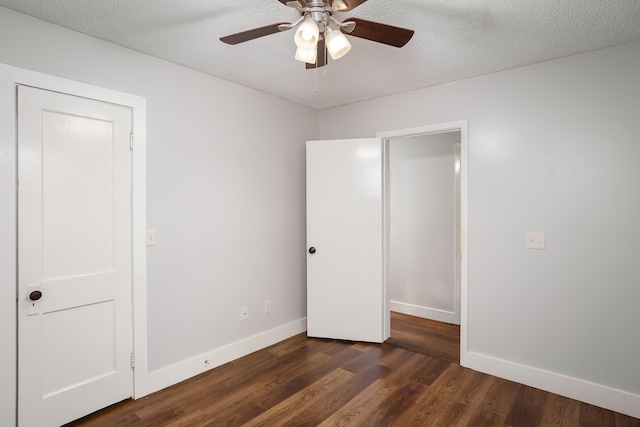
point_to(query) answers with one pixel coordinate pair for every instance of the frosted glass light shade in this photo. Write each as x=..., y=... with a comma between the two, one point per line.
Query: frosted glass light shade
x=337, y=44
x=307, y=35
x=339, y=5
x=307, y=55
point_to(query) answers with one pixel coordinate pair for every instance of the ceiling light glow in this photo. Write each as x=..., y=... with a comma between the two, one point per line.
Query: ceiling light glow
x=307, y=35
x=337, y=44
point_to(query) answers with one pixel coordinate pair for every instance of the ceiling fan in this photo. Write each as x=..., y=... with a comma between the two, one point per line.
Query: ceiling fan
x=319, y=32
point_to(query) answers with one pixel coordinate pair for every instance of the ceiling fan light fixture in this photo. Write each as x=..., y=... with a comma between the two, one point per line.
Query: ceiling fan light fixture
x=307, y=55
x=307, y=35
x=339, y=5
x=318, y=32
x=337, y=44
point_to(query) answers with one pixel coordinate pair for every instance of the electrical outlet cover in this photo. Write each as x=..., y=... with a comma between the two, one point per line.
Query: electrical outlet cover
x=536, y=240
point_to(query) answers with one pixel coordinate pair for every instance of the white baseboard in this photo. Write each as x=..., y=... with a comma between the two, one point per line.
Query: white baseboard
x=574, y=388
x=173, y=374
x=424, y=312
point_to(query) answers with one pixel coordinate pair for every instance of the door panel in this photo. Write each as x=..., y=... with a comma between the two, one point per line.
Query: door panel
x=345, y=293
x=74, y=247
x=60, y=332
x=77, y=191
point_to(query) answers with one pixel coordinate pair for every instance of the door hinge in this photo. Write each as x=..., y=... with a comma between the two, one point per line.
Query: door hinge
x=133, y=360
x=130, y=140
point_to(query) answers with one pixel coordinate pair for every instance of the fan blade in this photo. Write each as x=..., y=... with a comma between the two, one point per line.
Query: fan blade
x=322, y=59
x=252, y=34
x=381, y=33
x=351, y=4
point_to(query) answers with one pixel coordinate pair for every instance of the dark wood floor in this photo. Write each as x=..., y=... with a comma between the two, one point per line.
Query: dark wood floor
x=311, y=382
x=425, y=336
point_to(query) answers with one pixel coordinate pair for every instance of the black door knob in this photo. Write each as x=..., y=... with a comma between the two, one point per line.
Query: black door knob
x=35, y=295
x=312, y=250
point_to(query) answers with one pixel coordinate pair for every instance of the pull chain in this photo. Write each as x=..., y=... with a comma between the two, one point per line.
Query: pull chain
x=325, y=73
x=326, y=64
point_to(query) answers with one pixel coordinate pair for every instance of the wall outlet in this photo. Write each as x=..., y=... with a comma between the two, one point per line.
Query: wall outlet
x=244, y=313
x=536, y=240
x=267, y=306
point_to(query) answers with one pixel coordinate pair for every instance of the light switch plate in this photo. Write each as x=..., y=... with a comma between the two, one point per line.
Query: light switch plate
x=536, y=240
x=151, y=237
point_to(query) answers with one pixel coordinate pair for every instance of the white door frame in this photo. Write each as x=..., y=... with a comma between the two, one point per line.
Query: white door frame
x=456, y=126
x=9, y=78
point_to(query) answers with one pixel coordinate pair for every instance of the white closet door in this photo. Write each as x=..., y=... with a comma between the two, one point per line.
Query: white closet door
x=74, y=257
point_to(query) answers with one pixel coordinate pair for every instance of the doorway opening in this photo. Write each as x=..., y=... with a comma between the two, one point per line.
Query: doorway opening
x=425, y=257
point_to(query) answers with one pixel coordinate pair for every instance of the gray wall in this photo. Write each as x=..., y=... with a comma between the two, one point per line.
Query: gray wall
x=553, y=147
x=225, y=196
x=422, y=242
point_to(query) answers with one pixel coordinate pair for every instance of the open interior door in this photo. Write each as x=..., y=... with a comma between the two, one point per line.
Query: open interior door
x=345, y=277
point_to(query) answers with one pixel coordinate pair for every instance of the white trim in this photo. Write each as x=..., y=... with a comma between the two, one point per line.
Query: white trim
x=8, y=274
x=461, y=126
x=424, y=312
x=574, y=388
x=11, y=76
x=386, y=235
x=196, y=365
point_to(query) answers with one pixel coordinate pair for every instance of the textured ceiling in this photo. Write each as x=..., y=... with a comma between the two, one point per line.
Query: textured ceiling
x=454, y=39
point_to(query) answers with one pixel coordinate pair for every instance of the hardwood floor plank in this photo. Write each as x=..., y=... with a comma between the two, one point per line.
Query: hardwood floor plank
x=227, y=386
x=289, y=411
x=358, y=411
x=302, y=381
x=528, y=407
x=249, y=367
x=419, y=412
x=364, y=346
x=119, y=414
x=395, y=404
x=395, y=358
x=448, y=399
x=309, y=408
x=591, y=416
x=370, y=356
x=321, y=410
x=197, y=417
x=430, y=370
x=560, y=411
x=290, y=345
x=384, y=400
x=496, y=403
x=425, y=336
x=248, y=402
x=470, y=400
x=626, y=421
